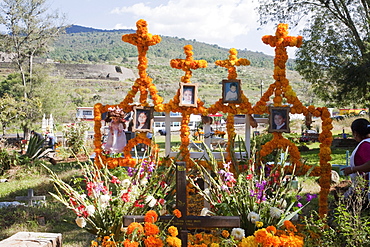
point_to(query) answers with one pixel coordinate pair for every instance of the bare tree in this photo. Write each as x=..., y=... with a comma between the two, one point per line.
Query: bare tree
x=30, y=29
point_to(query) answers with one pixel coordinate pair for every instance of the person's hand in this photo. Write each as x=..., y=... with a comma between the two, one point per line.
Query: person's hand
x=347, y=170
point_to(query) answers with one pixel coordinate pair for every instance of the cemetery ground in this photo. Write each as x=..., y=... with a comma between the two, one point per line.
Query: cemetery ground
x=52, y=216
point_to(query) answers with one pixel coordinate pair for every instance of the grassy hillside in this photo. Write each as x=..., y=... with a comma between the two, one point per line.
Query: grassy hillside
x=103, y=46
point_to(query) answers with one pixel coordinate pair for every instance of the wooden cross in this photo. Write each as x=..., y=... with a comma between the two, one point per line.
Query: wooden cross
x=30, y=197
x=231, y=63
x=188, y=221
x=188, y=63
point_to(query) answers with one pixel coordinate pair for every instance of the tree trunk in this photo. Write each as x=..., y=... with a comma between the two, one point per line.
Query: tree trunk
x=20, y=67
x=30, y=70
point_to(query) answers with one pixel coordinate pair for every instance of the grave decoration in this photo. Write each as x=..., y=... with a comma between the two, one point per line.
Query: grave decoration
x=188, y=221
x=280, y=91
x=31, y=198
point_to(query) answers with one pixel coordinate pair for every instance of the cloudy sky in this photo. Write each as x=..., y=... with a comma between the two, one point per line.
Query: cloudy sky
x=229, y=24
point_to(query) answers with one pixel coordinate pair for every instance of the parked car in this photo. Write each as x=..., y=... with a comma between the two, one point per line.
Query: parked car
x=338, y=117
x=309, y=136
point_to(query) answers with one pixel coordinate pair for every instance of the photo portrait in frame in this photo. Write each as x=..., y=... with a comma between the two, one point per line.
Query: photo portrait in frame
x=188, y=94
x=231, y=91
x=279, y=119
x=143, y=119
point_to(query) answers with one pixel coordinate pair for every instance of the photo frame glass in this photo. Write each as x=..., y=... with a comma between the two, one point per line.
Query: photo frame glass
x=231, y=91
x=143, y=119
x=188, y=94
x=279, y=119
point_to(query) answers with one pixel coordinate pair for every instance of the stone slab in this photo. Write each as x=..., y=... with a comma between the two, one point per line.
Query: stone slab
x=33, y=239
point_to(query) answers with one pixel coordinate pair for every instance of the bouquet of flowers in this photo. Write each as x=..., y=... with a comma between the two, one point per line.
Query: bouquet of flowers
x=101, y=199
x=75, y=135
x=261, y=195
x=146, y=234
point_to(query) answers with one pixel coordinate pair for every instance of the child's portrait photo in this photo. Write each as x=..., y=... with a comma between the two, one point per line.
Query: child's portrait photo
x=231, y=91
x=143, y=119
x=279, y=119
x=188, y=94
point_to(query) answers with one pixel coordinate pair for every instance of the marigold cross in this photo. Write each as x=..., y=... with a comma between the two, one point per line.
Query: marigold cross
x=281, y=40
x=231, y=63
x=142, y=40
x=188, y=64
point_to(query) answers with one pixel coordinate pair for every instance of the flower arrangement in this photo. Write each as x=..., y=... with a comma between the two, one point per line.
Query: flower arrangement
x=146, y=234
x=101, y=199
x=75, y=135
x=287, y=235
x=261, y=193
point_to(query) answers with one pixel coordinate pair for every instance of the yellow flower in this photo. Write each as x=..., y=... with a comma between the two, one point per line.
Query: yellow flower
x=172, y=230
x=259, y=224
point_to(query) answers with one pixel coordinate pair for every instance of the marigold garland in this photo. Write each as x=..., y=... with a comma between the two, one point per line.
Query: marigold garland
x=279, y=89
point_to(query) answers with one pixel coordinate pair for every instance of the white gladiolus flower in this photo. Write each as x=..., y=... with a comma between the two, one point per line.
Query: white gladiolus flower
x=104, y=200
x=295, y=217
x=275, y=212
x=204, y=212
x=135, y=191
x=143, y=181
x=90, y=210
x=126, y=183
x=151, y=201
x=238, y=233
x=123, y=229
x=282, y=203
x=163, y=211
x=207, y=191
x=81, y=222
x=253, y=217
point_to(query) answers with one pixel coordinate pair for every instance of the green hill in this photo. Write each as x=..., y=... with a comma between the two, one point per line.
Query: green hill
x=87, y=45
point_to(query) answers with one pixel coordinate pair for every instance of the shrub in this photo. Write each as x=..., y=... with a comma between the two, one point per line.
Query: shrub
x=75, y=135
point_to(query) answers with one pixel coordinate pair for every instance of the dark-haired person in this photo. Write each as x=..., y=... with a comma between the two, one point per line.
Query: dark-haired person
x=232, y=94
x=279, y=120
x=142, y=120
x=360, y=158
x=187, y=97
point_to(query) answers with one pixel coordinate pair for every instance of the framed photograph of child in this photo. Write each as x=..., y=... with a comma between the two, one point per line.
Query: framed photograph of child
x=231, y=91
x=188, y=94
x=279, y=119
x=143, y=119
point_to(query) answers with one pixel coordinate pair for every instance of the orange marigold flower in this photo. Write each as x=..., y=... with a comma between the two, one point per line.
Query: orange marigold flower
x=151, y=216
x=261, y=235
x=150, y=229
x=271, y=229
x=128, y=243
x=290, y=226
x=135, y=226
x=273, y=241
x=173, y=241
x=152, y=241
x=172, y=230
x=177, y=213
x=225, y=234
